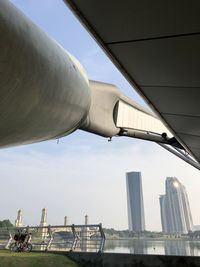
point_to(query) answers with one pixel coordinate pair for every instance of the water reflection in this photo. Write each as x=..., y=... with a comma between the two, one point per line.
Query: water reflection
x=147, y=246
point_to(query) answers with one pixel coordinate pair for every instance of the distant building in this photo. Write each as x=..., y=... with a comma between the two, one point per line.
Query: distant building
x=175, y=211
x=136, y=220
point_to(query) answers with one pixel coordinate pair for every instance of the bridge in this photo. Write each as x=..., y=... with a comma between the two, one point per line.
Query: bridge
x=58, y=238
x=59, y=98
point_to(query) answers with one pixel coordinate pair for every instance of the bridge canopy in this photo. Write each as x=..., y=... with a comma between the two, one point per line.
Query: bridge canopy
x=155, y=44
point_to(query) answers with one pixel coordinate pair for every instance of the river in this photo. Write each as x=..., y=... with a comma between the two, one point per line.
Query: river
x=148, y=246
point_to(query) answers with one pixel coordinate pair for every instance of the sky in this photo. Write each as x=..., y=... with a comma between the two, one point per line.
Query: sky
x=84, y=173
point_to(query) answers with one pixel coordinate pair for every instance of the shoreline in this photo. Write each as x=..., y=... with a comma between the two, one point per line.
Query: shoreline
x=153, y=239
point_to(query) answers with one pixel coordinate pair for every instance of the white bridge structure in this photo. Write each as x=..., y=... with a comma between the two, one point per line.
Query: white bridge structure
x=84, y=238
x=46, y=94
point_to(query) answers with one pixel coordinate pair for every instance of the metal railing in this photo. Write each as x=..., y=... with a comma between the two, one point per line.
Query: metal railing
x=58, y=238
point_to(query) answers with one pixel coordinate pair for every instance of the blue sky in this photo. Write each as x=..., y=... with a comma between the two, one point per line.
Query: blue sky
x=85, y=173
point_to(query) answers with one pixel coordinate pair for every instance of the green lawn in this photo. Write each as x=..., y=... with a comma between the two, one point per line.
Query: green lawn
x=22, y=259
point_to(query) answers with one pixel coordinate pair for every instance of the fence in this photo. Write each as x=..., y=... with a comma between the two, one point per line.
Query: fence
x=89, y=238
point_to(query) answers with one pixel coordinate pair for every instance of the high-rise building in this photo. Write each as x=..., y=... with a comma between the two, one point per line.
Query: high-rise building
x=175, y=211
x=136, y=221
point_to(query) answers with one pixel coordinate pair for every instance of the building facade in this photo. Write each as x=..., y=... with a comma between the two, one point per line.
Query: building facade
x=136, y=219
x=175, y=211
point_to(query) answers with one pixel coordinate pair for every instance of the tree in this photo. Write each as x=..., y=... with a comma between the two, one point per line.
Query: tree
x=6, y=223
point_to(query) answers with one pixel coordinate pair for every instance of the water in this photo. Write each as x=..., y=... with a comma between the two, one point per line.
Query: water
x=148, y=246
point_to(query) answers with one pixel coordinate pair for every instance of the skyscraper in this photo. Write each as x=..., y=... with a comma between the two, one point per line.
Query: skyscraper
x=136, y=221
x=175, y=211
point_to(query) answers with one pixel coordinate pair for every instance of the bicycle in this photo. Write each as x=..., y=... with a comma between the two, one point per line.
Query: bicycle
x=22, y=243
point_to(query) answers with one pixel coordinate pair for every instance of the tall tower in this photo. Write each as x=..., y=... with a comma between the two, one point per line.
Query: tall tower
x=136, y=220
x=85, y=235
x=43, y=222
x=65, y=221
x=175, y=211
x=86, y=219
x=18, y=221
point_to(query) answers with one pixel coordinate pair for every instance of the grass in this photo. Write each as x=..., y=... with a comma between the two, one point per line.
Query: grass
x=23, y=259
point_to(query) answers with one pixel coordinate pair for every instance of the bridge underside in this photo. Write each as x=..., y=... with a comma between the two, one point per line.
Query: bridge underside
x=155, y=44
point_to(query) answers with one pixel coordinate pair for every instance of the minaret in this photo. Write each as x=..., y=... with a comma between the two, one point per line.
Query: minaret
x=86, y=219
x=85, y=235
x=43, y=222
x=18, y=221
x=65, y=220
